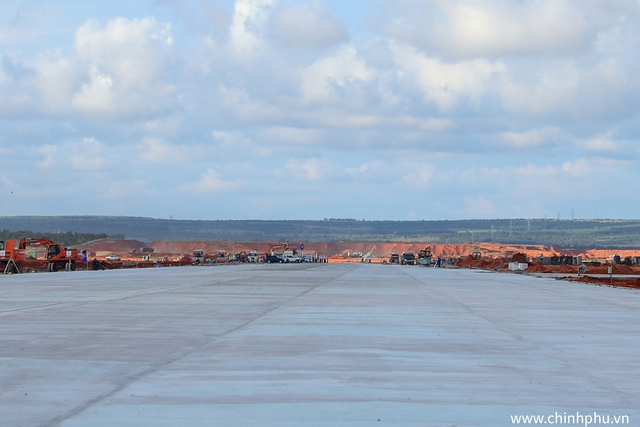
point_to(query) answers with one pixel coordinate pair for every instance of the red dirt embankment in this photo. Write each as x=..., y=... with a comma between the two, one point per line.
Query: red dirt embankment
x=381, y=250
x=633, y=283
x=573, y=269
x=113, y=246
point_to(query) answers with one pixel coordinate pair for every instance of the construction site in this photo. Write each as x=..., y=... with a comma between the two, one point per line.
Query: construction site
x=314, y=333
x=44, y=255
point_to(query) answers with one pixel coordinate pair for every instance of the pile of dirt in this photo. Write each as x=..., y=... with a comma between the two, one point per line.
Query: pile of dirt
x=519, y=257
x=623, y=283
x=483, y=263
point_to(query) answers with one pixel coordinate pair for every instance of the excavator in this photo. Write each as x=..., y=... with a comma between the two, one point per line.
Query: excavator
x=58, y=257
x=13, y=253
x=275, y=253
x=424, y=256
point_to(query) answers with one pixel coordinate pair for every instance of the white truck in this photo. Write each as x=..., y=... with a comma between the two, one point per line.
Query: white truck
x=252, y=256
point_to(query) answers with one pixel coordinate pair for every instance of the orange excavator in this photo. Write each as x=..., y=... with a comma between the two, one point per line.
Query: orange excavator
x=275, y=254
x=58, y=257
x=278, y=249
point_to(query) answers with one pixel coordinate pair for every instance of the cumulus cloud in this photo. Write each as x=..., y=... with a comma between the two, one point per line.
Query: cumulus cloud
x=248, y=29
x=126, y=66
x=495, y=100
x=322, y=82
x=602, y=143
x=307, y=26
x=310, y=169
x=497, y=28
x=211, y=182
x=442, y=84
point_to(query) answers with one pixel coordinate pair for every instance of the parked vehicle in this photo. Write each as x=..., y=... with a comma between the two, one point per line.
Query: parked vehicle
x=252, y=256
x=291, y=258
x=112, y=258
x=408, y=258
x=273, y=259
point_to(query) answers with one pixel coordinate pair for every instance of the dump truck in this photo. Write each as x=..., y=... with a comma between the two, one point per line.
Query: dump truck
x=408, y=258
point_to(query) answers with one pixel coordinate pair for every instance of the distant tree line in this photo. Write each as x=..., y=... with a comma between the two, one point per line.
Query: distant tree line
x=579, y=233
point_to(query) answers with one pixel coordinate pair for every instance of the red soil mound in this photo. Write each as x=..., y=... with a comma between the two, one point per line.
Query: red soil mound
x=624, y=283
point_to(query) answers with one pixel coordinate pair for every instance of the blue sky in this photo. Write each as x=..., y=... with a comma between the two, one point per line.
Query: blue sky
x=308, y=109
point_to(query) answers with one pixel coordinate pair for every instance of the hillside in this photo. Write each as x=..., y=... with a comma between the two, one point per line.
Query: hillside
x=564, y=233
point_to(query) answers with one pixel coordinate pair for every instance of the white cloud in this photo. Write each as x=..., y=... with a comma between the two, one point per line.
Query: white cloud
x=310, y=169
x=126, y=64
x=603, y=143
x=211, y=182
x=418, y=175
x=307, y=26
x=322, y=82
x=249, y=26
x=445, y=85
x=530, y=139
x=497, y=28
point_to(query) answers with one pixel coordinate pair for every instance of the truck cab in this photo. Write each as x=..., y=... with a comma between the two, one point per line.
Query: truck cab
x=408, y=258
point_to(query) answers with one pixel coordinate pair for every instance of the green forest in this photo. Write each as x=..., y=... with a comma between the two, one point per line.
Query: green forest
x=71, y=230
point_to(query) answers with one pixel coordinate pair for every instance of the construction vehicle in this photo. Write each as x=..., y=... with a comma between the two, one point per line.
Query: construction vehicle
x=11, y=256
x=394, y=259
x=408, y=258
x=424, y=256
x=252, y=257
x=58, y=257
x=198, y=257
x=278, y=249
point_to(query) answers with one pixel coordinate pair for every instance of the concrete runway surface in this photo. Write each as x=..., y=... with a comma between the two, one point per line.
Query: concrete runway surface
x=312, y=345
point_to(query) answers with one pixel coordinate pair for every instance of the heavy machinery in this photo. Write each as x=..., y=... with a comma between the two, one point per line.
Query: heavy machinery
x=424, y=256
x=408, y=258
x=278, y=249
x=198, y=257
x=11, y=256
x=275, y=254
x=58, y=257
x=252, y=257
x=394, y=259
